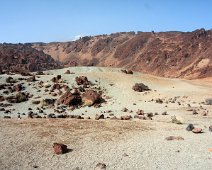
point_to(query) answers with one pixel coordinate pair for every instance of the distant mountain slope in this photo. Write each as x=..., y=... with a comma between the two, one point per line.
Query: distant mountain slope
x=23, y=58
x=168, y=54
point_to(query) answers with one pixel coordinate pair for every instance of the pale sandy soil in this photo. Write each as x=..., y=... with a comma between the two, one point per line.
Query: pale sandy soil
x=134, y=144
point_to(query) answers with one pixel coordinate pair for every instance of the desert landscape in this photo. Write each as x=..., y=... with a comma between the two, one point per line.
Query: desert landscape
x=109, y=118
x=106, y=85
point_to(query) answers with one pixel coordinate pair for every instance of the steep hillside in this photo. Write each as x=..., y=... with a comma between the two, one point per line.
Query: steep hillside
x=169, y=54
x=23, y=58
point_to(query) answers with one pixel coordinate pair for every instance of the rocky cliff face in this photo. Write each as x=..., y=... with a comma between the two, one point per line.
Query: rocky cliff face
x=168, y=54
x=21, y=58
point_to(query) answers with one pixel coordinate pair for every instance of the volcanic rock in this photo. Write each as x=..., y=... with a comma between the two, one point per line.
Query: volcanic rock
x=127, y=117
x=35, y=101
x=2, y=98
x=10, y=80
x=124, y=109
x=70, y=99
x=174, y=138
x=67, y=72
x=22, y=58
x=51, y=115
x=31, y=79
x=100, y=166
x=164, y=113
x=17, y=87
x=150, y=115
x=55, y=86
x=210, y=128
x=91, y=97
x=140, y=117
x=56, y=79
x=160, y=101
x=208, y=101
x=140, y=112
x=127, y=71
x=82, y=80
x=99, y=116
x=7, y=117
x=60, y=148
x=140, y=87
x=18, y=98
x=48, y=102
x=195, y=112
x=190, y=127
x=197, y=130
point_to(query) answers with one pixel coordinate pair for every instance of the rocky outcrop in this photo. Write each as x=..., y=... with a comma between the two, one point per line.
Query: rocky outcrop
x=167, y=54
x=22, y=58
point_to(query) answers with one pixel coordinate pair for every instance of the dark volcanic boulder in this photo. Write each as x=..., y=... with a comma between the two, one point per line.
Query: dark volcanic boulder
x=91, y=97
x=2, y=98
x=126, y=117
x=127, y=71
x=10, y=80
x=18, y=98
x=82, y=80
x=56, y=79
x=208, y=101
x=140, y=87
x=97, y=117
x=70, y=99
x=31, y=79
x=48, y=102
x=67, y=72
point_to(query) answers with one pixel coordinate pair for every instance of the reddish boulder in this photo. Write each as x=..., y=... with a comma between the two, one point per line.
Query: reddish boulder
x=197, y=130
x=70, y=99
x=91, y=97
x=82, y=80
x=60, y=148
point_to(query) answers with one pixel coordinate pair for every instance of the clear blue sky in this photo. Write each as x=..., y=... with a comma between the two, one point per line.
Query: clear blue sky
x=62, y=20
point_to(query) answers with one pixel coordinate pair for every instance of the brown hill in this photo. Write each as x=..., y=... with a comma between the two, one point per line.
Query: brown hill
x=23, y=58
x=169, y=54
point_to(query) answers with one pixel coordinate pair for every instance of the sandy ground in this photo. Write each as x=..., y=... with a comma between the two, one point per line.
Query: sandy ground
x=134, y=144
